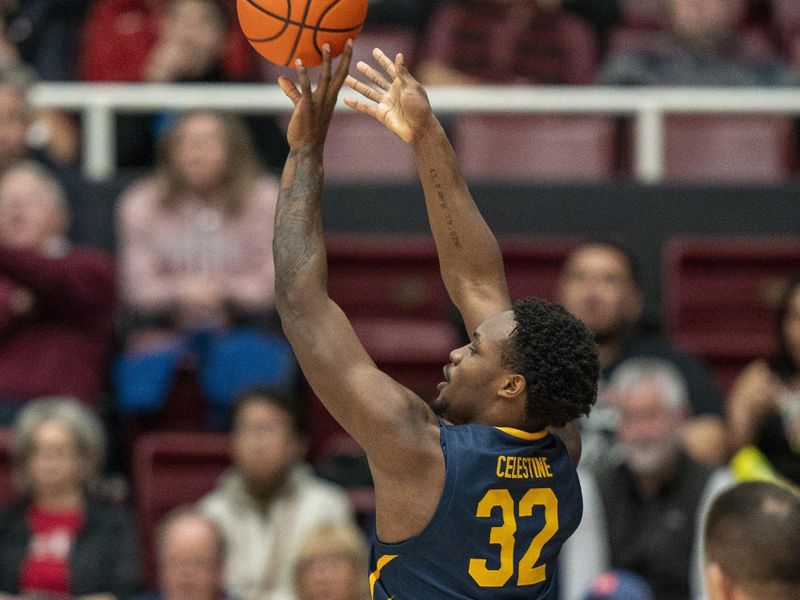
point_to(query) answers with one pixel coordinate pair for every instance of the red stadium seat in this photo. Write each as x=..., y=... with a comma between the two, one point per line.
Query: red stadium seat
x=389, y=39
x=533, y=266
x=559, y=49
x=500, y=42
x=529, y=148
x=477, y=39
x=728, y=148
x=8, y=491
x=386, y=276
x=643, y=13
x=170, y=470
x=360, y=149
x=721, y=295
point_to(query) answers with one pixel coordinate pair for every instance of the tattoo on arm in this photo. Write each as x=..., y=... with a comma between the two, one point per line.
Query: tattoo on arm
x=298, y=242
x=452, y=233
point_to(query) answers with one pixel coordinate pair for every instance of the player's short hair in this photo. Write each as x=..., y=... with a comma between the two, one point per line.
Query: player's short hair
x=291, y=405
x=557, y=356
x=752, y=533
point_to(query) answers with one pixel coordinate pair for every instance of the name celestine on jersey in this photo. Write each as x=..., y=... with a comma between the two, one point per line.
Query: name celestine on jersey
x=523, y=467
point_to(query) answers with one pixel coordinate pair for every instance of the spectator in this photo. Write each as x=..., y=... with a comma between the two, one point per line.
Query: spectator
x=700, y=48
x=600, y=284
x=602, y=15
x=178, y=41
x=24, y=137
x=764, y=403
x=332, y=564
x=751, y=539
x=191, y=555
x=511, y=41
x=270, y=500
x=56, y=300
x=61, y=540
x=651, y=506
x=196, y=267
x=42, y=34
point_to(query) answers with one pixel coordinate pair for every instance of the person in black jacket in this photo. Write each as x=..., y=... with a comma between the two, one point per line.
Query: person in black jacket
x=61, y=540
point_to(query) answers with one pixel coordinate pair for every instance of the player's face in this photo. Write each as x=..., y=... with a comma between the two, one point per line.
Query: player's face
x=597, y=288
x=200, y=153
x=648, y=429
x=29, y=216
x=475, y=373
x=265, y=445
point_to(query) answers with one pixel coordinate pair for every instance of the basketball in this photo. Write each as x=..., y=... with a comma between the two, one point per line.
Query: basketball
x=285, y=30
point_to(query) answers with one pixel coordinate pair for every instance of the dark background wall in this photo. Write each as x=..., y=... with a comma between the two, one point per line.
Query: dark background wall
x=642, y=216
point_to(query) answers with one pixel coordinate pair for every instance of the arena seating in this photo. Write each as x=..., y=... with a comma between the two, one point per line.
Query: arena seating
x=559, y=49
x=7, y=488
x=529, y=148
x=533, y=265
x=732, y=148
x=721, y=295
x=169, y=470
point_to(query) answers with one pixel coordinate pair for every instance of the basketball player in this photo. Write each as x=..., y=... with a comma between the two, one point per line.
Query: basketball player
x=752, y=543
x=476, y=506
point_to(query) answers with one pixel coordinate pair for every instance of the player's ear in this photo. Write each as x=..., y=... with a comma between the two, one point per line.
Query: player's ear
x=513, y=386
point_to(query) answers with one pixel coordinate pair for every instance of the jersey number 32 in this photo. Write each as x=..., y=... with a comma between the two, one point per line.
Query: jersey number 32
x=504, y=536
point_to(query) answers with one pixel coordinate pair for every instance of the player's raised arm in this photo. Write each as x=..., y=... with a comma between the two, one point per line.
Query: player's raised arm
x=469, y=257
x=377, y=411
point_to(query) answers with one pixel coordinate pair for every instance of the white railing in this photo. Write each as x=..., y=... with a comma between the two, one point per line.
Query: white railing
x=648, y=106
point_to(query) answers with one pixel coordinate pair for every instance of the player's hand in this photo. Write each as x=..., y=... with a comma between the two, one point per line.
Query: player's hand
x=313, y=109
x=399, y=102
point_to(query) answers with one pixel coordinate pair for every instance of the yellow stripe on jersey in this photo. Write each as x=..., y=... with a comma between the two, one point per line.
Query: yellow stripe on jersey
x=376, y=574
x=523, y=435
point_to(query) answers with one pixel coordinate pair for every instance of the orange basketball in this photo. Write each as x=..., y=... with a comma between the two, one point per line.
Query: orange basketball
x=284, y=30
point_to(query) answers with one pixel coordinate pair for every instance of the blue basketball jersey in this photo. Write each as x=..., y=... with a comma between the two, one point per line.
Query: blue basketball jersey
x=510, y=500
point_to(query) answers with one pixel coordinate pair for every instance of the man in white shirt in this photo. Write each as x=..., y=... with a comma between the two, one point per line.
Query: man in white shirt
x=270, y=499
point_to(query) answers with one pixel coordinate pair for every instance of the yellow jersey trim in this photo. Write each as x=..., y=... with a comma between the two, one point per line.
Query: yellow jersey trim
x=523, y=435
x=376, y=574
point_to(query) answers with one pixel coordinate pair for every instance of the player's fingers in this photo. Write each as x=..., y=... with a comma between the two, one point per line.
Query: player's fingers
x=302, y=77
x=372, y=75
x=385, y=62
x=344, y=64
x=369, y=109
x=290, y=89
x=363, y=89
x=325, y=73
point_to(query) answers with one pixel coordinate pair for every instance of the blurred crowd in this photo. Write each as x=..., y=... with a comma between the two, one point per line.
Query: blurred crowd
x=170, y=324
